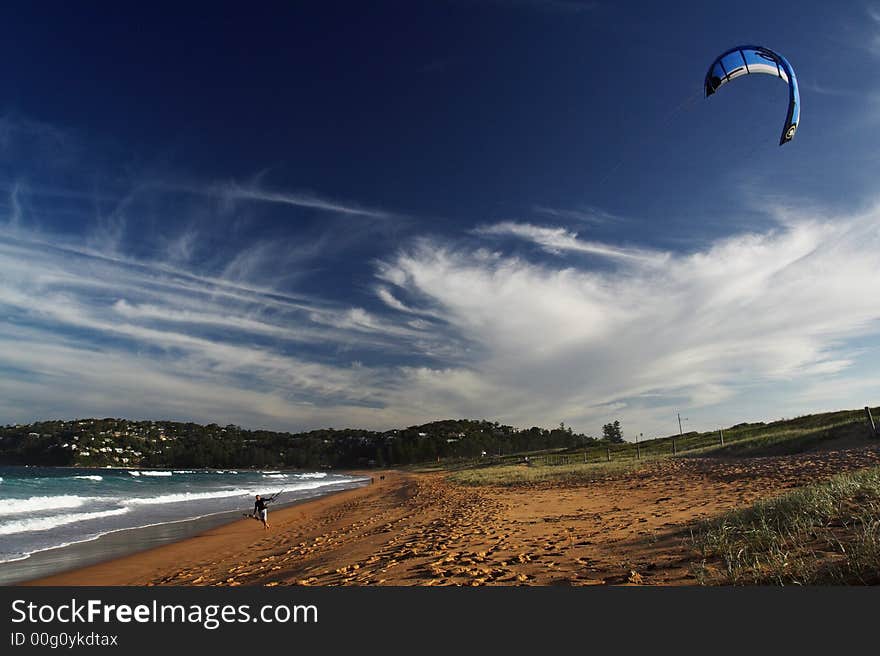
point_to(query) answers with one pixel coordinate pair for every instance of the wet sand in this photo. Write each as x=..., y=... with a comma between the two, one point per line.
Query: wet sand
x=419, y=529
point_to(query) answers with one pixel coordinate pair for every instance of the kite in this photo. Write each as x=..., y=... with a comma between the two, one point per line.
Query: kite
x=744, y=60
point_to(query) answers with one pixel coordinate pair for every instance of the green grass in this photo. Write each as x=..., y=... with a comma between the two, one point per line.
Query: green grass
x=521, y=474
x=787, y=441
x=827, y=533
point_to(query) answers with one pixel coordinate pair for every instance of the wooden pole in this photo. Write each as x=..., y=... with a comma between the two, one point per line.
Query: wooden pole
x=721, y=430
x=871, y=421
x=608, y=451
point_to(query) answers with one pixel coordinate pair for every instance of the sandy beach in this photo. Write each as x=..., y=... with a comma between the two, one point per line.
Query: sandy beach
x=419, y=529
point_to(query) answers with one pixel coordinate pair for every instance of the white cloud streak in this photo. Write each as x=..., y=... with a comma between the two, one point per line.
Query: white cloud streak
x=593, y=215
x=557, y=240
x=874, y=16
x=235, y=191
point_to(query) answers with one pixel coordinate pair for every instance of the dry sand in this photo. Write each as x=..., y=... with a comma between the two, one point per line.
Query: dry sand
x=419, y=529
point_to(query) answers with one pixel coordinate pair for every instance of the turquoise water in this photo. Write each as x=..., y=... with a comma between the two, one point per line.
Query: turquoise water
x=44, y=508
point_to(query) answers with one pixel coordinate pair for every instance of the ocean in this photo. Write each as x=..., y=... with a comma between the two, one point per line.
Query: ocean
x=48, y=508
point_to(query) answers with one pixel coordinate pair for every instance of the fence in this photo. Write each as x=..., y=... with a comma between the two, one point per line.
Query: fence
x=871, y=423
x=688, y=442
x=665, y=446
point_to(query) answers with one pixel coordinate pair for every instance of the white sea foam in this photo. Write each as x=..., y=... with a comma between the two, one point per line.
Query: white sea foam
x=11, y=558
x=90, y=478
x=39, y=504
x=313, y=485
x=155, y=473
x=186, y=496
x=95, y=536
x=312, y=475
x=274, y=475
x=134, y=473
x=47, y=523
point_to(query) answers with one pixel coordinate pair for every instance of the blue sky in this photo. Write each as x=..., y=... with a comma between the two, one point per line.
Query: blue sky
x=334, y=214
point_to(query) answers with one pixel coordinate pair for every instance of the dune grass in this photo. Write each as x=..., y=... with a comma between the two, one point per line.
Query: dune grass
x=827, y=533
x=521, y=474
x=790, y=440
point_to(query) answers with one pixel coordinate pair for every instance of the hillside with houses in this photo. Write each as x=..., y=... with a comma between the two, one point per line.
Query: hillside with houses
x=125, y=443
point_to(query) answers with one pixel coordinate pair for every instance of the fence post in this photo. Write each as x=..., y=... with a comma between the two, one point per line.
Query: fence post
x=871, y=421
x=608, y=452
x=721, y=430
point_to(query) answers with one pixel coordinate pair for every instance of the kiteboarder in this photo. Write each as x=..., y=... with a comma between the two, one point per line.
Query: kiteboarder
x=261, y=511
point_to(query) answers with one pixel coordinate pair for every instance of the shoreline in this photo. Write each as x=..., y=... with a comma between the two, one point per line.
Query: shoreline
x=231, y=540
x=125, y=543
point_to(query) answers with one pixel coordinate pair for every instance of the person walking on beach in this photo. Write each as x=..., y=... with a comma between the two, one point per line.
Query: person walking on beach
x=261, y=511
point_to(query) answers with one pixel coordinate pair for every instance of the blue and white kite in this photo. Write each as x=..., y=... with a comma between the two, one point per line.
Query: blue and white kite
x=744, y=60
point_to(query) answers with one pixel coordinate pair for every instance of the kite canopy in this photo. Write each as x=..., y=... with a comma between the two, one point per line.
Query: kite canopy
x=744, y=60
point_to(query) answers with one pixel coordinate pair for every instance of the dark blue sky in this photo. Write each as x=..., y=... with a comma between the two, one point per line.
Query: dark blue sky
x=358, y=158
x=463, y=110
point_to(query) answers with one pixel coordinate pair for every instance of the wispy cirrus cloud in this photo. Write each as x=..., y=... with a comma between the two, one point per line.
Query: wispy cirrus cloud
x=823, y=90
x=214, y=340
x=234, y=191
x=63, y=283
x=19, y=133
x=594, y=215
x=874, y=18
x=558, y=240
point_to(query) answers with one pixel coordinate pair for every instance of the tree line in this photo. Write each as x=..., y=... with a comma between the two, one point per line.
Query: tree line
x=188, y=445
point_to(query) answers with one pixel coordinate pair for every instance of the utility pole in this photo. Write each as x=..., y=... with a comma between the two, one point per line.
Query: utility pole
x=680, y=434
